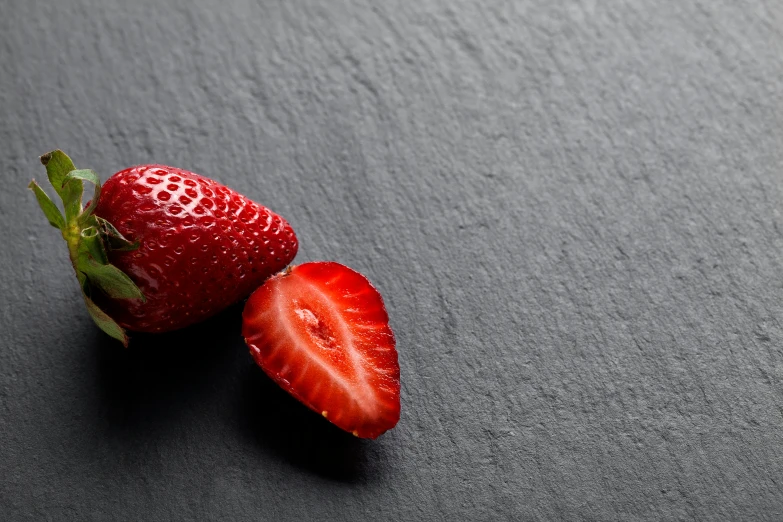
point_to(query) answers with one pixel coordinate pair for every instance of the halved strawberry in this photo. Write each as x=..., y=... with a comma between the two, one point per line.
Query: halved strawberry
x=321, y=331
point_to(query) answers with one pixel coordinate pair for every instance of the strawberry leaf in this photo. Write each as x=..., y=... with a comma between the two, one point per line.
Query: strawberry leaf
x=50, y=210
x=92, y=261
x=58, y=165
x=91, y=247
x=85, y=175
x=111, y=280
x=105, y=323
x=113, y=239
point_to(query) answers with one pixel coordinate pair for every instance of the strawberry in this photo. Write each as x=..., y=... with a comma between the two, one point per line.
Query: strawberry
x=159, y=248
x=321, y=332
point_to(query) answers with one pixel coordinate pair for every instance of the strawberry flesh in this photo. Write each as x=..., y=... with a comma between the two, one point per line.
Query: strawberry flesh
x=321, y=331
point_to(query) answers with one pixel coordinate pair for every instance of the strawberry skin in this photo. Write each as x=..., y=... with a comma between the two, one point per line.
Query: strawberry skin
x=321, y=331
x=160, y=248
x=202, y=245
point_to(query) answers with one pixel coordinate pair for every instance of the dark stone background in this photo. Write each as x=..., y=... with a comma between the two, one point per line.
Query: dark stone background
x=573, y=210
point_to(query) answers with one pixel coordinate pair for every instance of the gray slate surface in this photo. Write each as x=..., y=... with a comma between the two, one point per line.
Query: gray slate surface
x=573, y=210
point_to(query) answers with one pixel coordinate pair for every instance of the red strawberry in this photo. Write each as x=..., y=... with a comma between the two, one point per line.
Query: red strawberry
x=321, y=331
x=193, y=246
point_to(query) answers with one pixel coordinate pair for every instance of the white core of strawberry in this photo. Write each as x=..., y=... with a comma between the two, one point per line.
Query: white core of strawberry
x=343, y=341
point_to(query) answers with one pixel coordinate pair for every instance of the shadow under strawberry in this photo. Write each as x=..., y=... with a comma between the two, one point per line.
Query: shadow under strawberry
x=167, y=381
x=289, y=430
x=166, y=384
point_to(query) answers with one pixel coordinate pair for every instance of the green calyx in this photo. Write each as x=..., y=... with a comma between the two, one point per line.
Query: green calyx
x=88, y=236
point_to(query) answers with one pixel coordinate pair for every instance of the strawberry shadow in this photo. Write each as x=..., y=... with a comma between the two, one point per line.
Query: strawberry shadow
x=164, y=384
x=288, y=430
x=162, y=380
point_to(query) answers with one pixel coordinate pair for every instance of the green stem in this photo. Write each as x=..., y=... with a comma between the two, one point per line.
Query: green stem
x=71, y=235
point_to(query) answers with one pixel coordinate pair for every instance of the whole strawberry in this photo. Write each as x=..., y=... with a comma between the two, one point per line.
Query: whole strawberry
x=160, y=248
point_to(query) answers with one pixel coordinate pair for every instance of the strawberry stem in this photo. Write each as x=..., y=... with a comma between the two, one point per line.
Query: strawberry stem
x=88, y=237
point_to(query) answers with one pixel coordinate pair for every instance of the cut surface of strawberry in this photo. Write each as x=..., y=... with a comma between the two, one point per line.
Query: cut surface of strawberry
x=321, y=331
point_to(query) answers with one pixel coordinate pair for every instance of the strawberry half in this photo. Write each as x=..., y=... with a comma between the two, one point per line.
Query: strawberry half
x=321, y=332
x=160, y=248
